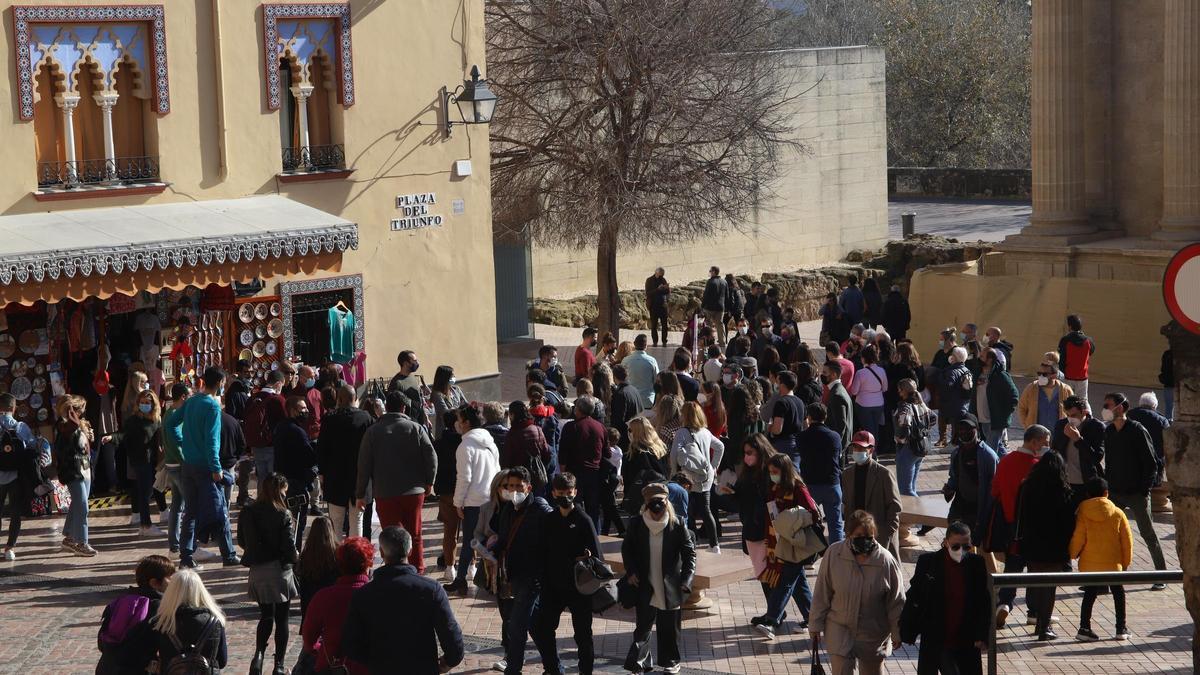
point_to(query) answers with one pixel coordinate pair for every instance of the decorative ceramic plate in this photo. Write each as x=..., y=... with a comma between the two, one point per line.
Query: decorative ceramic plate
x=39, y=369
x=247, y=337
x=260, y=311
x=245, y=355
x=19, y=369
x=35, y=401
x=39, y=385
x=275, y=328
x=272, y=348
x=8, y=346
x=259, y=349
x=24, y=412
x=246, y=312
x=274, y=365
x=21, y=388
x=276, y=309
x=43, y=414
x=260, y=331
x=28, y=342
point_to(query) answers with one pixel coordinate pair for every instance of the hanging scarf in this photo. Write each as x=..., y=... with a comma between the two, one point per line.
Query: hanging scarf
x=655, y=526
x=785, y=498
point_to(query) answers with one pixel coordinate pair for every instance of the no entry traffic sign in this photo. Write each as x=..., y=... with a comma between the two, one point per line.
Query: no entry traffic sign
x=1181, y=287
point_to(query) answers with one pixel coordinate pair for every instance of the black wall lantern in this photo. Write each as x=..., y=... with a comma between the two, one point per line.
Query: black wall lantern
x=475, y=101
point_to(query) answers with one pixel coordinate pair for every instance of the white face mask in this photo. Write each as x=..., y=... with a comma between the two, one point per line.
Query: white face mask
x=727, y=379
x=554, y=362
x=702, y=399
x=518, y=498
x=861, y=457
x=743, y=330
x=957, y=556
x=1043, y=381
x=1075, y=421
x=1107, y=415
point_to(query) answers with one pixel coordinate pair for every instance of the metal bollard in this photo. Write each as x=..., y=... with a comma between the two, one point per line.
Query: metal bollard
x=908, y=224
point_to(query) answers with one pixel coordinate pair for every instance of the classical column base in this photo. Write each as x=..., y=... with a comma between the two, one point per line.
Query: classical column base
x=1160, y=500
x=1181, y=230
x=1038, y=237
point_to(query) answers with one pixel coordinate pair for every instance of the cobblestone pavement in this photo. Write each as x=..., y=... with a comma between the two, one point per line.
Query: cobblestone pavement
x=50, y=606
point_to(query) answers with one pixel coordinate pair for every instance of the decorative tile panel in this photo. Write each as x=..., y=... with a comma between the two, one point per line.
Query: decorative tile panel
x=107, y=34
x=324, y=25
x=289, y=289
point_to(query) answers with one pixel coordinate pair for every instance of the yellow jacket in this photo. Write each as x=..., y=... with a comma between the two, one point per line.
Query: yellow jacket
x=1027, y=404
x=1102, y=541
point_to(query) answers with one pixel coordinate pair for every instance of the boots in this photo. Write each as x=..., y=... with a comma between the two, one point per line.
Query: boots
x=280, y=669
x=256, y=664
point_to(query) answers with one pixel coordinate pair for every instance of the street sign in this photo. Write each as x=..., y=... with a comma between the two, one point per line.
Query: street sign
x=1181, y=287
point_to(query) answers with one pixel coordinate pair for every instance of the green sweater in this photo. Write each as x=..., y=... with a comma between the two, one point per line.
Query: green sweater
x=172, y=436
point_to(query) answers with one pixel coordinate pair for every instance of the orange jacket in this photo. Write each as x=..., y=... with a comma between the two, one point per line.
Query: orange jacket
x=1102, y=541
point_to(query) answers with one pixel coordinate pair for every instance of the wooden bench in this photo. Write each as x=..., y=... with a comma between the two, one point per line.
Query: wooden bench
x=932, y=511
x=712, y=570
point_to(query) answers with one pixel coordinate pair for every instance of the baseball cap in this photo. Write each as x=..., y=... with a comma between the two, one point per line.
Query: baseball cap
x=863, y=438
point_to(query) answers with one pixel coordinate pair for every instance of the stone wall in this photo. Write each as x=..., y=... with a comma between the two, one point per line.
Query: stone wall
x=960, y=183
x=829, y=201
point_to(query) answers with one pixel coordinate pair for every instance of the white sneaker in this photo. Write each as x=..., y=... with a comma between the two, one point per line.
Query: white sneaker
x=500, y=666
x=448, y=574
x=470, y=572
x=135, y=519
x=716, y=549
x=151, y=531
x=8, y=555
x=765, y=630
x=205, y=554
x=672, y=669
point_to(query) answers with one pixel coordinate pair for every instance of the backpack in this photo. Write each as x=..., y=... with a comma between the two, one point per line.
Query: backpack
x=15, y=454
x=537, y=471
x=694, y=464
x=188, y=660
x=255, y=425
x=918, y=433
x=121, y=615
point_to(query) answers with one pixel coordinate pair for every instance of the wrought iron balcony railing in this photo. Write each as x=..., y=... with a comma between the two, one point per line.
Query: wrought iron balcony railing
x=97, y=172
x=311, y=158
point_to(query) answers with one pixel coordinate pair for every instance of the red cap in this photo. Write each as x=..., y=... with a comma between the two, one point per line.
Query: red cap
x=863, y=438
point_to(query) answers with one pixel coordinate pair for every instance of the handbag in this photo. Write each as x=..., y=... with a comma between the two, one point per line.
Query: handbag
x=817, y=668
x=595, y=579
x=627, y=594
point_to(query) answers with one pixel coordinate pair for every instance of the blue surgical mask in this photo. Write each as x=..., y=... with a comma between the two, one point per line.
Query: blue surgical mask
x=145, y=408
x=310, y=383
x=452, y=381
x=221, y=391
x=8, y=418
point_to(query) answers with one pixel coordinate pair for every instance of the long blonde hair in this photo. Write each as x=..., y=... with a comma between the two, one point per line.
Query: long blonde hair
x=72, y=408
x=693, y=417
x=624, y=349
x=185, y=589
x=666, y=411
x=644, y=438
x=155, y=408
x=133, y=387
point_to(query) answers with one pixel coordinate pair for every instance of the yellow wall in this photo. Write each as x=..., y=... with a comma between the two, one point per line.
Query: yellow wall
x=404, y=52
x=1123, y=317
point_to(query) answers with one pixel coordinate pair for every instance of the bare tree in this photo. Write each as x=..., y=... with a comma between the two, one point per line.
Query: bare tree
x=631, y=122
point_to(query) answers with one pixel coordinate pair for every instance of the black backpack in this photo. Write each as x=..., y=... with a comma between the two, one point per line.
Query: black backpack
x=15, y=454
x=190, y=660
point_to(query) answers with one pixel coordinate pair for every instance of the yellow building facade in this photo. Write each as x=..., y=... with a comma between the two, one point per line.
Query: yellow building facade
x=156, y=150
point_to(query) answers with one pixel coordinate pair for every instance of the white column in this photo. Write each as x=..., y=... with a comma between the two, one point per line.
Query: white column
x=68, y=103
x=106, y=102
x=1181, y=123
x=302, y=92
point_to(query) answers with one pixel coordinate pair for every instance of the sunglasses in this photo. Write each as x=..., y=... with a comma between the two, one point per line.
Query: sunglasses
x=960, y=547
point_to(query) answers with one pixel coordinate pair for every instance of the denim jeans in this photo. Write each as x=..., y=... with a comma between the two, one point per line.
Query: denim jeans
x=465, y=552
x=177, y=505
x=870, y=419
x=792, y=584
x=829, y=498
x=995, y=436
x=520, y=619
x=1013, y=564
x=143, y=486
x=193, y=479
x=75, y=526
x=264, y=463
x=908, y=466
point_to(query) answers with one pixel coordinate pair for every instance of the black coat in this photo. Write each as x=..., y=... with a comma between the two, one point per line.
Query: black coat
x=189, y=624
x=657, y=293
x=625, y=404
x=142, y=440
x=567, y=538
x=295, y=457
x=337, y=452
x=897, y=317
x=137, y=650
x=523, y=545
x=1092, y=433
x=266, y=534
x=752, y=497
x=401, y=617
x=1045, y=523
x=1129, y=458
x=874, y=314
x=679, y=560
x=924, y=612
x=715, y=290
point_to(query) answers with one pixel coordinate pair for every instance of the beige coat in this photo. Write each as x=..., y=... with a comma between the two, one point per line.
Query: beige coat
x=1027, y=404
x=857, y=603
x=795, y=540
x=882, y=501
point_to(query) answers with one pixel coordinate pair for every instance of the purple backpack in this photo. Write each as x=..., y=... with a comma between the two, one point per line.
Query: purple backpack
x=123, y=614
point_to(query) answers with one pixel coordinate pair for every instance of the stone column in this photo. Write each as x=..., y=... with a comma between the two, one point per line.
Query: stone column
x=68, y=103
x=1181, y=443
x=302, y=92
x=1059, y=202
x=1181, y=123
x=107, y=102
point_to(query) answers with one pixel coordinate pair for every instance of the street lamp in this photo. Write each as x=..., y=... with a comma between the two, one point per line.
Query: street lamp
x=475, y=100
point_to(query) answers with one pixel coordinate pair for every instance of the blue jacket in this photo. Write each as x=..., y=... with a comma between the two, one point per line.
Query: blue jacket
x=201, y=419
x=523, y=550
x=678, y=498
x=986, y=461
x=852, y=304
x=401, y=617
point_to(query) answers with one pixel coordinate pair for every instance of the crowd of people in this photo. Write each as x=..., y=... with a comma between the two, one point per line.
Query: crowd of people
x=746, y=423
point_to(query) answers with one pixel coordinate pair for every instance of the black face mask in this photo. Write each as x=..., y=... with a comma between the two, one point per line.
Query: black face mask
x=966, y=437
x=863, y=545
x=564, y=501
x=414, y=366
x=657, y=506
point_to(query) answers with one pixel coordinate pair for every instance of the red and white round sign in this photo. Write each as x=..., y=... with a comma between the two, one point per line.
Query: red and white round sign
x=1181, y=287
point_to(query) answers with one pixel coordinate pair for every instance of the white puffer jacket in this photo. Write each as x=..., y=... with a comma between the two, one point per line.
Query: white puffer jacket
x=478, y=462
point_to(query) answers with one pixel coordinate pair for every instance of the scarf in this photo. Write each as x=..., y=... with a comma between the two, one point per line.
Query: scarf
x=655, y=526
x=785, y=498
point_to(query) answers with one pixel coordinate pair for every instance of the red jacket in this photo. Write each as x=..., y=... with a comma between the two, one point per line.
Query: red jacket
x=322, y=629
x=1010, y=472
x=522, y=442
x=1075, y=354
x=313, y=397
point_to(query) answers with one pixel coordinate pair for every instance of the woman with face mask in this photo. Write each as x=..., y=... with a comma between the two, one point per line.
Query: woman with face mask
x=446, y=397
x=659, y=556
x=750, y=493
x=141, y=444
x=790, y=508
x=939, y=364
x=857, y=600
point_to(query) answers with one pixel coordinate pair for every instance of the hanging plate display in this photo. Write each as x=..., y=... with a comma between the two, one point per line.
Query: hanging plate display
x=19, y=369
x=274, y=365
x=8, y=346
x=40, y=369
x=247, y=337
x=43, y=414
x=31, y=362
x=260, y=331
x=246, y=312
x=276, y=309
x=260, y=311
x=35, y=401
x=21, y=388
x=275, y=328
x=39, y=385
x=259, y=349
x=28, y=342
x=24, y=412
x=244, y=355
x=272, y=348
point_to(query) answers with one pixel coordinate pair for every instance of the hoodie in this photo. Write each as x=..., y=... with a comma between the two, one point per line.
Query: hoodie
x=1102, y=541
x=478, y=462
x=1074, y=354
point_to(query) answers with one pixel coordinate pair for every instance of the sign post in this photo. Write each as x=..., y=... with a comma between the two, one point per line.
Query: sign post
x=1181, y=287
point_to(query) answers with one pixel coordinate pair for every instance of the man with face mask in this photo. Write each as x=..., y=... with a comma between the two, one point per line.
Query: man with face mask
x=307, y=388
x=407, y=382
x=1010, y=473
x=570, y=536
x=1132, y=468
x=969, y=485
x=869, y=486
x=947, y=607
x=1079, y=438
x=520, y=549
x=1041, y=401
x=837, y=400
x=993, y=401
